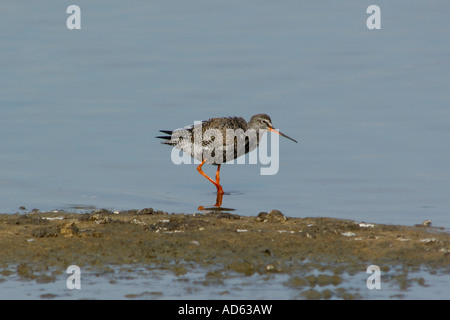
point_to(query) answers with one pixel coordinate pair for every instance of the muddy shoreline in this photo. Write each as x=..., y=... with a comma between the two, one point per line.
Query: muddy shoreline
x=219, y=243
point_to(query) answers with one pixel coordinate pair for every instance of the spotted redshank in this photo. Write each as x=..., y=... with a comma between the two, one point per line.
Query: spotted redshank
x=227, y=146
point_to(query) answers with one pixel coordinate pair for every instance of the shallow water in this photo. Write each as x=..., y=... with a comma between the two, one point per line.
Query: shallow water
x=132, y=282
x=80, y=109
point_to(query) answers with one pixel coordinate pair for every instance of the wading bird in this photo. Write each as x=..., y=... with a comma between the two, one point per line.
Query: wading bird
x=227, y=138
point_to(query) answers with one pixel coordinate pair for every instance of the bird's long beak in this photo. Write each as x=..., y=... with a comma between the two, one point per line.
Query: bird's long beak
x=282, y=134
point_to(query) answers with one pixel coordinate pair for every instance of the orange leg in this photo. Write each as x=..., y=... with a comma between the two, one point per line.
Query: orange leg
x=219, y=199
x=218, y=175
x=216, y=183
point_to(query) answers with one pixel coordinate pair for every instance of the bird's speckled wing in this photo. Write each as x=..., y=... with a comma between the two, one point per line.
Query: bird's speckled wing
x=209, y=140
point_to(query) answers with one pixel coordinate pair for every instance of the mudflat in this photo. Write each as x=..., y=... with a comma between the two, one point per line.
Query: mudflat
x=219, y=243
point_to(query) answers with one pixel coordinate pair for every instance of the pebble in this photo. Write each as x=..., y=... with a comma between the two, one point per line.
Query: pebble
x=366, y=225
x=69, y=230
x=348, y=234
x=426, y=223
x=272, y=216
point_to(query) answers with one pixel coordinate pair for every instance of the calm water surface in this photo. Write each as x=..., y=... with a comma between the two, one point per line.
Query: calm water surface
x=80, y=109
x=131, y=282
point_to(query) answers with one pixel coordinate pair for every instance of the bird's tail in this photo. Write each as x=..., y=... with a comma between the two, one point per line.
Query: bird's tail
x=168, y=138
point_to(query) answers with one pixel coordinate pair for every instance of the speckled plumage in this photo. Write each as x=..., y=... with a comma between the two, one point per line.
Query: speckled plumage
x=188, y=139
x=219, y=140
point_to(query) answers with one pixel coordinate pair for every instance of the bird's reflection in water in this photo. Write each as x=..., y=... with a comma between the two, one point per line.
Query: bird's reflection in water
x=216, y=207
